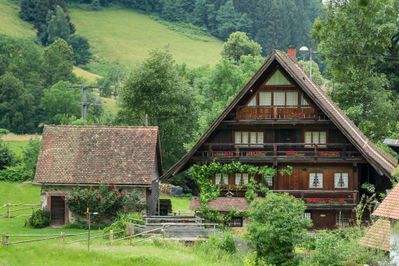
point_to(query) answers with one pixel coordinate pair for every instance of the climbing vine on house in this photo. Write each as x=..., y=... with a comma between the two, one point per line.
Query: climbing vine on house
x=208, y=191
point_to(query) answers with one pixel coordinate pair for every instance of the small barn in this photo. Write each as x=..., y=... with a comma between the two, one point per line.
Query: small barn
x=87, y=156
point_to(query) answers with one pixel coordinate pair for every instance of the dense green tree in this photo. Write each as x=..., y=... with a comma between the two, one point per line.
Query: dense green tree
x=156, y=89
x=61, y=103
x=58, y=26
x=277, y=224
x=239, y=44
x=229, y=20
x=16, y=110
x=30, y=155
x=359, y=87
x=58, y=62
x=81, y=49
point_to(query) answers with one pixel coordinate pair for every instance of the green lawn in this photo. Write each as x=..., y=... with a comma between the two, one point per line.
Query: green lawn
x=11, y=24
x=178, y=203
x=52, y=252
x=127, y=36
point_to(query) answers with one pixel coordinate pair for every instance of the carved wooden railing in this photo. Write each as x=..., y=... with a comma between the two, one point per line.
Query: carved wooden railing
x=287, y=151
x=278, y=113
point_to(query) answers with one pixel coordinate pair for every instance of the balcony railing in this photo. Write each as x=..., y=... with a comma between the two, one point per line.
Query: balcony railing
x=279, y=113
x=279, y=151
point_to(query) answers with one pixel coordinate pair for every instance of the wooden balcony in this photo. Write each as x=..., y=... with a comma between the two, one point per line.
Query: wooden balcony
x=300, y=113
x=284, y=152
x=314, y=199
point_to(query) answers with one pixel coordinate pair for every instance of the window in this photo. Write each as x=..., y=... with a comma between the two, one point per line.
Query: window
x=278, y=78
x=279, y=98
x=235, y=222
x=269, y=181
x=315, y=137
x=221, y=179
x=252, y=138
x=265, y=98
x=304, y=102
x=316, y=180
x=341, y=180
x=241, y=179
x=252, y=102
x=292, y=98
x=308, y=215
x=343, y=218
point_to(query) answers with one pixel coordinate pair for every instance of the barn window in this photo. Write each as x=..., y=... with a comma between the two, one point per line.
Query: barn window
x=279, y=98
x=253, y=138
x=278, y=78
x=221, y=179
x=269, y=181
x=235, y=222
x=265, y=98
x=316, y=180
x=308, y=215
x=341, y=180
x=252, y=102
x=316, y=137
x=241, y=179
x=342, y=218
x=292, y=98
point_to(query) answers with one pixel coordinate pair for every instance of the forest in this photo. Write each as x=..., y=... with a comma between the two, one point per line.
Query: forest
x=38, y=85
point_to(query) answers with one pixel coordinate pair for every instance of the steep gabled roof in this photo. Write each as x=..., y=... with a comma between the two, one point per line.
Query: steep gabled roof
x=381, y=161
x=98, y=154
x=389, y=208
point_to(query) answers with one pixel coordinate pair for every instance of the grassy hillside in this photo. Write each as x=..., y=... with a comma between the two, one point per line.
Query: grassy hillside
x=127, y=36
x=11, y=24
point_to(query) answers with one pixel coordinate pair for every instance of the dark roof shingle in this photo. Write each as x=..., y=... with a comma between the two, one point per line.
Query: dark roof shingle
x=98, y=154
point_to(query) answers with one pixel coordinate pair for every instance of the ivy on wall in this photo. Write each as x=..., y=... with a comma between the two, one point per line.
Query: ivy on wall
x=202, y=174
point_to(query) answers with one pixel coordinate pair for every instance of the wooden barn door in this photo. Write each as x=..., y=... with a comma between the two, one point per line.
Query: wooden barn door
x=57, y=210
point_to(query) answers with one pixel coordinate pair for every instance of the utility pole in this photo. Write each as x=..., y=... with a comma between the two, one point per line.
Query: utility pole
x=146, y=120
x=85, y=104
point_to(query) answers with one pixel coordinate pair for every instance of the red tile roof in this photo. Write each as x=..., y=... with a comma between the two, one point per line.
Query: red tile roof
x=378, y=236
x=98, y=154
x=389, y=208
x=223, y=204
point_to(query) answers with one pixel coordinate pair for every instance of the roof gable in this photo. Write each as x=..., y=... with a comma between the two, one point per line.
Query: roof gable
x=98, y=154
x=382, y=162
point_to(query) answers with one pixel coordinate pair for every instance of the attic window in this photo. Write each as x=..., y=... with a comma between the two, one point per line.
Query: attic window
x=278, y=79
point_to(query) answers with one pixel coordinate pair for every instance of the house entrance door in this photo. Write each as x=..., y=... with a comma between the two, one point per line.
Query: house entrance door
x=57, y=210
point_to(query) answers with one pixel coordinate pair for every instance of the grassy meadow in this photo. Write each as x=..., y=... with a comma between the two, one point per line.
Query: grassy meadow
x=11, y=24
x=126, y=36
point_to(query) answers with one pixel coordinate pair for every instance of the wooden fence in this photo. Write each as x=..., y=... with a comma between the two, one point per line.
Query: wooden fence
x=71, y=238
x=11, y=210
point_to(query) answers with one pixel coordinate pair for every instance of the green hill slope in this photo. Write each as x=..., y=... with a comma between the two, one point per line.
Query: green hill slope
x=11, y=24
x=127, y=36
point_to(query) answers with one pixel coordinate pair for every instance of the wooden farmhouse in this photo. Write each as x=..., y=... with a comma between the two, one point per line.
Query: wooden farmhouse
x=126, y=157
x=283, y=118
x=384, y=234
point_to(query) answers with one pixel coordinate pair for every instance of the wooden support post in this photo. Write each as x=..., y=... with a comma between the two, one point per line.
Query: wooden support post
x=62, y=238
x=4, y=241
x=111, y=236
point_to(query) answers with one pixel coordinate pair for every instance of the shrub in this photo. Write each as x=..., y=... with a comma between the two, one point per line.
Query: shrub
x=277, y=224
x=119, y=225
x=30, y=155
x=4, y=131
x=7, y=157
x=39, y=218
x=17, y=173
x=106, y=200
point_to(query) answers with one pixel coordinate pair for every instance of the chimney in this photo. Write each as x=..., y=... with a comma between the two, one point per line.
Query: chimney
x=292, y=52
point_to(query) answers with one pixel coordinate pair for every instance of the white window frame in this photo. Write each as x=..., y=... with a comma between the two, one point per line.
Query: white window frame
x=265, y=98
x=288, y=102
x=221, y=179
x=249, y=138
x=313, y=137
x=312, y=177
x=345, y=178
x=241, y=179
x=275, y=97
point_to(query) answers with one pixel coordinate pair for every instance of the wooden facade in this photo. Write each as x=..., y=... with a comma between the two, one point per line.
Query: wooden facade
x=277, y=121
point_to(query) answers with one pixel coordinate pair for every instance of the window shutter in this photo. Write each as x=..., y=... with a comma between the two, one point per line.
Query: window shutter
x=315, y=180
x=315, y=137
x=238, y=179
x=341, y=180
x=279, y=98
x=292, y=98
x=252, y=102
x=237, y=137
x=308, y=137
x=265, y=98
x=320, y=179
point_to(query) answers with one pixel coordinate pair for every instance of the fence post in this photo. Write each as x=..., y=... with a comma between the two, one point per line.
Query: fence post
x=4, y=241
x=62, y=238
x=8, y=210
x=111, y=236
